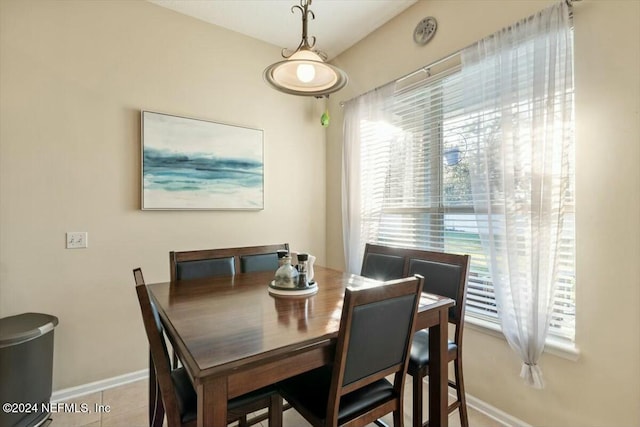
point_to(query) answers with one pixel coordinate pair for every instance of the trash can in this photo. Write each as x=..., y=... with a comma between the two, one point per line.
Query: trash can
x=26, y=367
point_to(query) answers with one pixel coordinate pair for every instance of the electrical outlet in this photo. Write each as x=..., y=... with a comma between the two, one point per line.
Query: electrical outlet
x=77, y=239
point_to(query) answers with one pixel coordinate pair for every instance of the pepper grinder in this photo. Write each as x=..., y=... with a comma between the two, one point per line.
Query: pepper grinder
x=302, y=271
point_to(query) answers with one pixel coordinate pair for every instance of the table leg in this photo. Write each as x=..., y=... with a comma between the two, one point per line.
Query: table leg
x=212, y=402
x=438, y=391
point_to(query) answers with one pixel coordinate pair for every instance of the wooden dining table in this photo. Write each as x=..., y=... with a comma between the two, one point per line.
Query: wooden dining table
x=233, y=336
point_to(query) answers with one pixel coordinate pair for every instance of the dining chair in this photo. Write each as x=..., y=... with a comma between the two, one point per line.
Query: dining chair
x=174, y=395
x=373, y=342
x=445, y=274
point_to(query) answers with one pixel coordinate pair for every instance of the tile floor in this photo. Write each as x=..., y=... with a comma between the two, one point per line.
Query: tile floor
x=128, y=408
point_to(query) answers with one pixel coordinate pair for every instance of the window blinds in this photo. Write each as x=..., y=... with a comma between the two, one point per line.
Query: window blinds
x=416, y=190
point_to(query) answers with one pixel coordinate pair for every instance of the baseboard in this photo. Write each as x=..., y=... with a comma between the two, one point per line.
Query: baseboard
x=97, y=386
x=492, y=412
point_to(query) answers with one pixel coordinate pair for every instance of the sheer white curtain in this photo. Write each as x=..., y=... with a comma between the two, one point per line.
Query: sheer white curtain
x=368, y=113
x=518, y=87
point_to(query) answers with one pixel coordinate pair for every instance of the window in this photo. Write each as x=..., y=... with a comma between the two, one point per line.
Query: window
x=416, y=187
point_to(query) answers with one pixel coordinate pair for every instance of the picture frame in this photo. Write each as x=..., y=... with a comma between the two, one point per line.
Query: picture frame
x=189, y=164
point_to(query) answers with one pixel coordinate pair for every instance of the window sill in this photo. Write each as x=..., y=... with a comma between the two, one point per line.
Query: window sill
x=557, y=346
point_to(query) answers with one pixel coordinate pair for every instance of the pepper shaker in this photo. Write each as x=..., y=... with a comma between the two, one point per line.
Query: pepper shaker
x=302, y=271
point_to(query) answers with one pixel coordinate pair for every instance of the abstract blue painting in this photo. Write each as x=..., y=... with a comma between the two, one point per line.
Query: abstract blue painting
x=197, y=164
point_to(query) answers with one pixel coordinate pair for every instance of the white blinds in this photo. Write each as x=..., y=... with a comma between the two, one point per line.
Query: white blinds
x=416, y=190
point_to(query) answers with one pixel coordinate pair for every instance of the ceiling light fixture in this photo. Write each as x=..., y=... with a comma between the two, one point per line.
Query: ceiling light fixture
x=304, y=72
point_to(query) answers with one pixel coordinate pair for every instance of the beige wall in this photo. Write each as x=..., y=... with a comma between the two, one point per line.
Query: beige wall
x=74, y=76
x=603, y=387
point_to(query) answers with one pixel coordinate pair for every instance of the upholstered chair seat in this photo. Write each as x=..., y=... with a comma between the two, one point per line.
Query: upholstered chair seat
x=314, y=398
x=420, y=351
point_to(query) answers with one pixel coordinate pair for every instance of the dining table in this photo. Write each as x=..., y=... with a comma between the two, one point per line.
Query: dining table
x=233, y=336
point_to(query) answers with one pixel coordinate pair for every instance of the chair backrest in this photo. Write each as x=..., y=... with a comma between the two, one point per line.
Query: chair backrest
x=382, y=262
x=444, y=274
x=198, y=264
x=374, y=338
x=158, y=348
x=258, y=258
x=259, y=262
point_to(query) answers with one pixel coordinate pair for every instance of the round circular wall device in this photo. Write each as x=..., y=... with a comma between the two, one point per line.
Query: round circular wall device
x=425, y=30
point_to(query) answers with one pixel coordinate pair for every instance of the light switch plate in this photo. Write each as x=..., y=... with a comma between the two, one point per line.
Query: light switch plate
x=77, y=239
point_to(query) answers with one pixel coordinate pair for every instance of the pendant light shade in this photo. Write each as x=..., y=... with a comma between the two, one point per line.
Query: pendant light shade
x=305, y=72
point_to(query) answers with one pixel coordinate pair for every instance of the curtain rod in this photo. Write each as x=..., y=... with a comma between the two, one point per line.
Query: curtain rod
x=426, y=68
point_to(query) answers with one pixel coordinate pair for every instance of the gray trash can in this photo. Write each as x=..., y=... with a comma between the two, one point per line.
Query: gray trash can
x=26, y=367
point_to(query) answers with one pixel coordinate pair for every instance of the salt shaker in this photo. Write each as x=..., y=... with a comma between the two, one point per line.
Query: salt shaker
x=286, y=275
x=281, y=254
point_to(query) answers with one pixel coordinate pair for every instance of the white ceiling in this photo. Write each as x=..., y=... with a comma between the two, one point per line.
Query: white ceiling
x=339, y=24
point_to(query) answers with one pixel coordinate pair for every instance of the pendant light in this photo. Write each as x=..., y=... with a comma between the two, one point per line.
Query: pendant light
x=305, y=72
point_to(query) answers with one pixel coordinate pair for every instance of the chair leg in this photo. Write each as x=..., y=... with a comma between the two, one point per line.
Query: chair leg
x=275, y=411
x=398, y=419
x=417, y=398
x=464, y=419
x=242, y=421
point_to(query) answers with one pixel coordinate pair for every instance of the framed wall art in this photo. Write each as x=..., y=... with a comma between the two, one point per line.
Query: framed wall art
x=198, y=164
